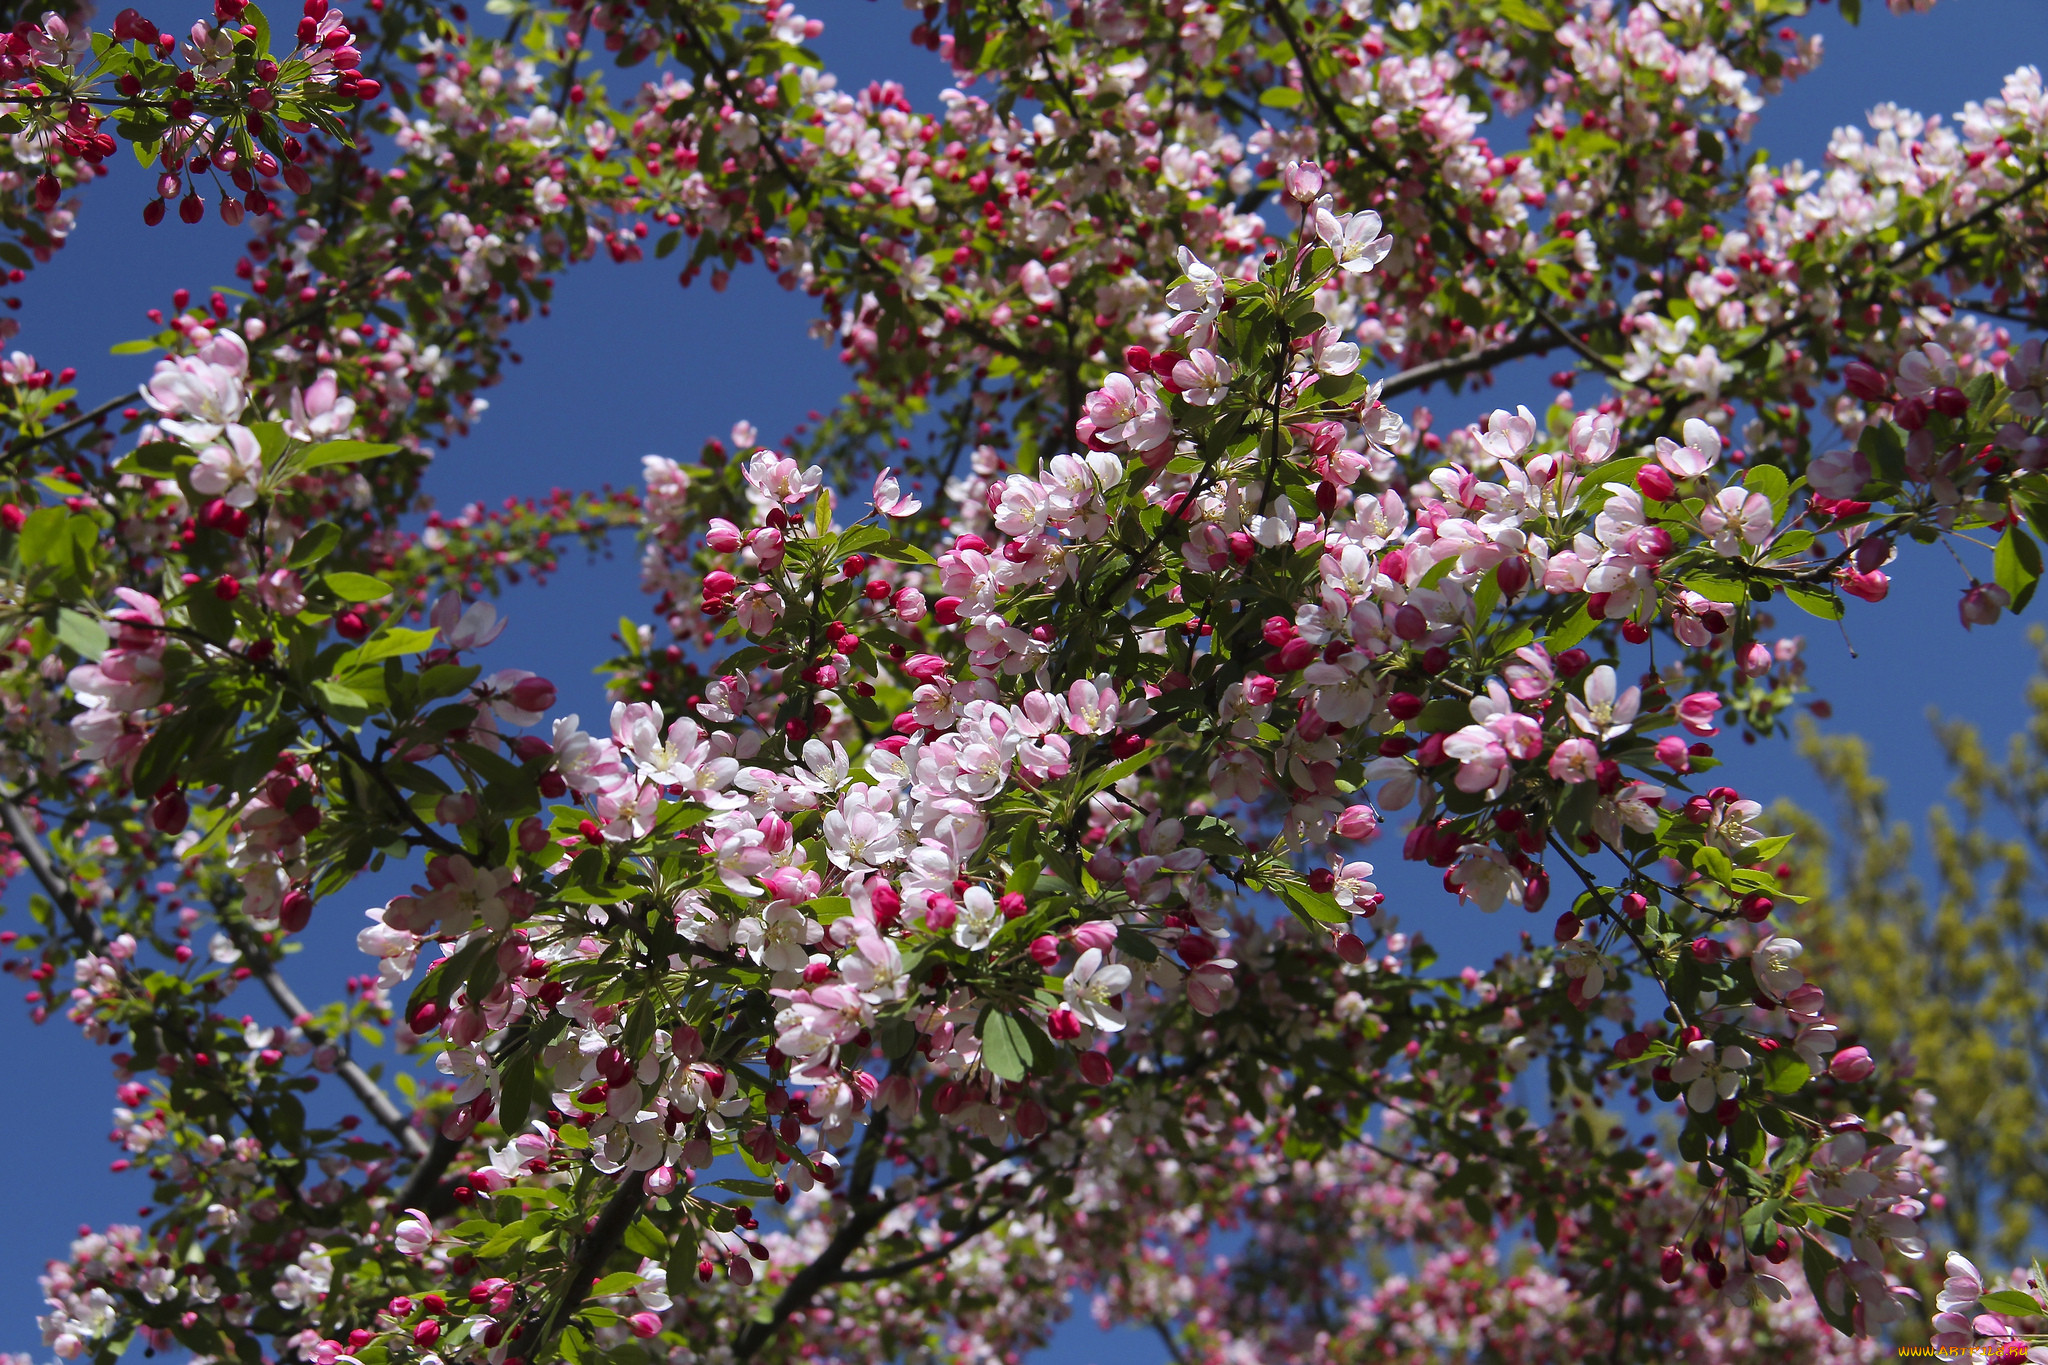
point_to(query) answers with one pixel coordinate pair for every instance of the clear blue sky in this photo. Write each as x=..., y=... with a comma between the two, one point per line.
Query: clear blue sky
x=630, y=364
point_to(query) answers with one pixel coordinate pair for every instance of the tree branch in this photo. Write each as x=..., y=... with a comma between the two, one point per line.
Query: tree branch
x=23, y=446
x=30, y=846
x=353, y=1076
x=533, y=1340
x=824, y=1270
x=890, y=1271
x=94, y=938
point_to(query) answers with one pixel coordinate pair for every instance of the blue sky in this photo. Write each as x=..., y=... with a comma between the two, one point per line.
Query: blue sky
x=631, y=364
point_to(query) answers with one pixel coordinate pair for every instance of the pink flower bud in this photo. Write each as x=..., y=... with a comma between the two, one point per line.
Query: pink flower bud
x=1756, y=660
x=457, y=808
x=533, y=694
x=946, y=610
x=514, y=954
x=1013, y=905
x=1045, y=951
x=1671, y=752
x=1094, y=934
x=1030, y=1120
x=645, y=1324
x=1852, y=1064
x=1260, y=690
x=1696, y=712
x=533, y=835
x=1982, y=603
x=1304, y=181
x=925, y=667
x=1865, y=381
x=1358, y=822
x=909, y=606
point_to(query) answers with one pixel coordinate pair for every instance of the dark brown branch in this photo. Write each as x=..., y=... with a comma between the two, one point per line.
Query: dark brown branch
x=30, y=846
x=1458, y=366
x=353, y=1076
x=94, y=938
x=938, y=1253
x=861, y=1219
x=534, y=1339
x=23, y=446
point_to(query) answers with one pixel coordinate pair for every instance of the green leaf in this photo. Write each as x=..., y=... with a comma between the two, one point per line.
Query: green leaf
x=270, y=439
x=1520, y=12
x=140, y=346
x=646, y=1239
x=1577, y=626
x=82, y=633
x=40, y=536
x=618, y=1282
x=1281, y=97
x=1770, y=481
x=2012, y=1302
x=385, y=644
x=1005, y=1049
x=253, y=16
x=1315, y=907
x=1813, y=602
x=1711, y=862
x=343, y=452
x=515, y=1096
x=1785, y=1072
x=1442, y=716
x=345, y=702
x=1117, y=772
x=1817, y=1260
x=158, y=459
x=2016, y=565
x=1852, y=10
x=315, y=544
x=357, y=587
x=895, y=1035
x=1880, y=441
x=1622, y=472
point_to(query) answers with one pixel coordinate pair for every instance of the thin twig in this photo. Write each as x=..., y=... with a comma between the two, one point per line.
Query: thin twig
x=380, y=1105
x=94, y=938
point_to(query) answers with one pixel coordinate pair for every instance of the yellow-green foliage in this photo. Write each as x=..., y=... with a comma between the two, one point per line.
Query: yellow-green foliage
x=1948, y=975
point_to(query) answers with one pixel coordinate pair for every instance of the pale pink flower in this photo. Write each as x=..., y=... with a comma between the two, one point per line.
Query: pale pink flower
x=889, y=499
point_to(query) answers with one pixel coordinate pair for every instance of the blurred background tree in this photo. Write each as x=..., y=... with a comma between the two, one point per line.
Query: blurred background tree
x=1943, y=940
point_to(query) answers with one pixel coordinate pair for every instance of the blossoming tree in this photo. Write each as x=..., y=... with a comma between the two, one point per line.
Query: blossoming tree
x=965, y=898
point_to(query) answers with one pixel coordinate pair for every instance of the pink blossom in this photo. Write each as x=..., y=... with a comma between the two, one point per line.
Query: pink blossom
x=1839, y=474
x=889, y=499
x=1697, y=710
